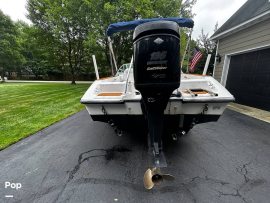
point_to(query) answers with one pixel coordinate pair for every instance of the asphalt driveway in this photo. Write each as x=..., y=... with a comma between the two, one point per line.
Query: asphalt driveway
x=78, y=160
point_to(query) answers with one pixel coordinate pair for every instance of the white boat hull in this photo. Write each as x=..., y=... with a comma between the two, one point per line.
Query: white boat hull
x=115, y=100
x=173, y=108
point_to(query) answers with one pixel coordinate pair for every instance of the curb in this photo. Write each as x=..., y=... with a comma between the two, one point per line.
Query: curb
x=251, y=111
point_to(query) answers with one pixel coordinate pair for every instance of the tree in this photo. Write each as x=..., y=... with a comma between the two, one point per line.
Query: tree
x=39, y=50
x=205, y=42
x=186, y=8
x=207, y=47
x=79, y=26
x=10, y=56
x=69, y=22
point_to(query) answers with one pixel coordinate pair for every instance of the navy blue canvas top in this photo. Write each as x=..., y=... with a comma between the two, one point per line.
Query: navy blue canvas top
x=131, y=25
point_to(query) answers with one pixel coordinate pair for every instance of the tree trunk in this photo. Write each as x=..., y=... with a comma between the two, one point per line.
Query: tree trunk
x=2, y=74
x=73, y=80
x=72, y=71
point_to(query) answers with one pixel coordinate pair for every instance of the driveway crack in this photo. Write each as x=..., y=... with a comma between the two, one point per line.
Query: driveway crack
x=107, y=153
x=236, y=194
x=244, y=171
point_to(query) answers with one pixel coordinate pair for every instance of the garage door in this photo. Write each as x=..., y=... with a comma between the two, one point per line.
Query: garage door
x=249, y=78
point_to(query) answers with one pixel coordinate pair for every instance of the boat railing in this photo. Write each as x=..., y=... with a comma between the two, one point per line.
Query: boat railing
x=129, y=68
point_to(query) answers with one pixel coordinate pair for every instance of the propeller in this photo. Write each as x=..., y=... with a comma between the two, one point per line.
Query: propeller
x=154, y=177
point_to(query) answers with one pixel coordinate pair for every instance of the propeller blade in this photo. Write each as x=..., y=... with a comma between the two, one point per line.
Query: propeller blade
x=154, y=177
x=147, y=179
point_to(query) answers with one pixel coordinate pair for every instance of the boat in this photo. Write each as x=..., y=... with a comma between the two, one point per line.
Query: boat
x=151, y=91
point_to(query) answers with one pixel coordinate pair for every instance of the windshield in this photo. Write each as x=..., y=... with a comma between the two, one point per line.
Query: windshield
x=121, y=70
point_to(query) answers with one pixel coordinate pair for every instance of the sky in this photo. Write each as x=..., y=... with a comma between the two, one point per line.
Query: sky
x=208, y=12
x=15, y=9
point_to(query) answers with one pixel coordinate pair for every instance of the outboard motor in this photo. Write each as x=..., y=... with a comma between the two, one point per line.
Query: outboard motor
x=156, y=73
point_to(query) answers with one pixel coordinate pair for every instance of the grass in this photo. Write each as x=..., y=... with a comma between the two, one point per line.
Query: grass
x=26, y=108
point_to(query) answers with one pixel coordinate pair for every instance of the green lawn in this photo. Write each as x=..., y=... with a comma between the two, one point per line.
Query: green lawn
x=25, y=108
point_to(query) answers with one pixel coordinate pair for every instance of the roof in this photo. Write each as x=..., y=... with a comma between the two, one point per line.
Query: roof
x=251, y=9
x=131, y=25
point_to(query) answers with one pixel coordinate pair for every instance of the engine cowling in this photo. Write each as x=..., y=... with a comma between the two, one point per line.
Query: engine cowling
x=157, y=56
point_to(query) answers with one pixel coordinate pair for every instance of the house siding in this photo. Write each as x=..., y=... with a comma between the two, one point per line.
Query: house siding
x=255, y=36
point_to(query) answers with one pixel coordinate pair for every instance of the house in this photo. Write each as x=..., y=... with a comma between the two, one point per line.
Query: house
x=243, y=54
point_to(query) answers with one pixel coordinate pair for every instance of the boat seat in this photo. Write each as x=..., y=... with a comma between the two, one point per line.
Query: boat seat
x=110, y=94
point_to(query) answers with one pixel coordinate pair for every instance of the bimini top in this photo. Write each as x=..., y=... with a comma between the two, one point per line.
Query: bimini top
x=131, y=25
